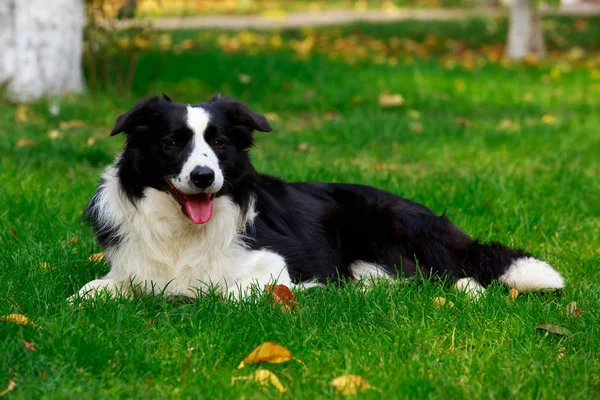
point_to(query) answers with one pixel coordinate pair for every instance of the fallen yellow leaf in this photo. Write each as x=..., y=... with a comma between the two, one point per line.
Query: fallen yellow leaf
x=96, y=257
x=47, y=267
x=74, y=123
x=54, y=134
x=414, y=114
x=18, y=319
x=26, y=143
x=549, y=119
x=274, y=15
x=441, y=302
x=351, y=384
x=22, y=113
x=504, y=125
x=512, y=295
x=390, y=100
x=271, y=116
x=268, y=352
x=244, y=78
x=361, y=5
x=264, y=377
x=9, y=388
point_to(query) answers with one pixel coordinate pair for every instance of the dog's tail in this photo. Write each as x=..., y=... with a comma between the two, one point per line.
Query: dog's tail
x=490, y=262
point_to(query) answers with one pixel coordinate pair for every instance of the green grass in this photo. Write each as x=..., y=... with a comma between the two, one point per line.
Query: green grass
x=533, y=185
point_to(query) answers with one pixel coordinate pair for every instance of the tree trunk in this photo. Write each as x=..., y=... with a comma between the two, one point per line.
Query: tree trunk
x=525, y=30
x=41, y=42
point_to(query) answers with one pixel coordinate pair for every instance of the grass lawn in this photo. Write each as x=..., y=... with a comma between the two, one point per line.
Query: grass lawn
x=510, y=152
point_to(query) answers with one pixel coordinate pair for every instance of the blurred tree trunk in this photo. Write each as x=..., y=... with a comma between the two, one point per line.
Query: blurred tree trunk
x=525, y=30
x=41, y=46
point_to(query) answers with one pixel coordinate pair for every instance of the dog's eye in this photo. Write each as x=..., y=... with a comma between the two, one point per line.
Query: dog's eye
x=170, y=144
x=218, y=143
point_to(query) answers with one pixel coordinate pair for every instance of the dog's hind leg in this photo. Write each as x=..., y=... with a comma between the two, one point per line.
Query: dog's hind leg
x=488, y=262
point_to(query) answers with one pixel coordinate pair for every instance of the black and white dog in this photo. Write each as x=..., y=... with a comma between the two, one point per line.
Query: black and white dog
x=182, y=209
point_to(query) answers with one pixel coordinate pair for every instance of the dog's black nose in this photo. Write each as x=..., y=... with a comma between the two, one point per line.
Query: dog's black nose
x=202, y=177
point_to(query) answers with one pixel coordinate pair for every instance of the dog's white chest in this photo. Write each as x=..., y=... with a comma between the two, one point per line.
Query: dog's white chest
x=162, y=250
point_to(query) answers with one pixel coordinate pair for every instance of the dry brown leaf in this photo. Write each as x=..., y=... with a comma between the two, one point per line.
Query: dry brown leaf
x=580, y=25
x=309, y=94
x=306, y=147
x=331, y=115
x=54, y=134
x=18, y=319
x=283, y=296
x=504, y=125
x=268, y=352
x=512, y=294
x=557, y=330
x=47, y=267
x=22, y=113
x=9, y=388
x=386, y=167
x=572, y=310
x=90, y=141
x=26, y=142
x=264, y=377
x=28, y=345
x=96, y=257
x=416, y=127
x=464, y=121
x=441, y=302
x=73, y=240
x=351, y=384
x=74, y=123
x=390, y=100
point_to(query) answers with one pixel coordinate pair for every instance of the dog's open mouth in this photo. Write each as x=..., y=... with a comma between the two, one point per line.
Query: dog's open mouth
x=197, y=207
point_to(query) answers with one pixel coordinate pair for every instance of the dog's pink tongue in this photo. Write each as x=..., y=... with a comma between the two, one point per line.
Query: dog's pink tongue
x=199, y=208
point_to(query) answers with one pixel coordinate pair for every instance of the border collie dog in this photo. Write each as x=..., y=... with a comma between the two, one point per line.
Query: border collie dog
x=182, y=210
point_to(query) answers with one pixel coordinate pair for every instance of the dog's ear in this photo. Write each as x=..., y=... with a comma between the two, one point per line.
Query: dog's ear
x=215, y=97
x=242, y=115
x=134, y=118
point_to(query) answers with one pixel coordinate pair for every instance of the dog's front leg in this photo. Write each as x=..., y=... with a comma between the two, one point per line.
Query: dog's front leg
x=97, y=287
x=258, y=269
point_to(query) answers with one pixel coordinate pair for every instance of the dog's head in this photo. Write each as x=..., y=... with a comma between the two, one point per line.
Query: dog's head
x=188, y=150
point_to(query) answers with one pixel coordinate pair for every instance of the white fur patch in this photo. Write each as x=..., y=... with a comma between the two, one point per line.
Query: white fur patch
x=162, y=250
x=470, y=286
x=367, y=272
x=202, y=154
x=527, y=274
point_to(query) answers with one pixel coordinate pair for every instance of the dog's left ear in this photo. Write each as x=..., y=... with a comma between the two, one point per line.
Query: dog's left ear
x=134, y=118
x=242, y=115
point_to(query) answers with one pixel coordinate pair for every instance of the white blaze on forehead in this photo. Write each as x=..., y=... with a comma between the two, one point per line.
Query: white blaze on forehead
x=201, y=155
